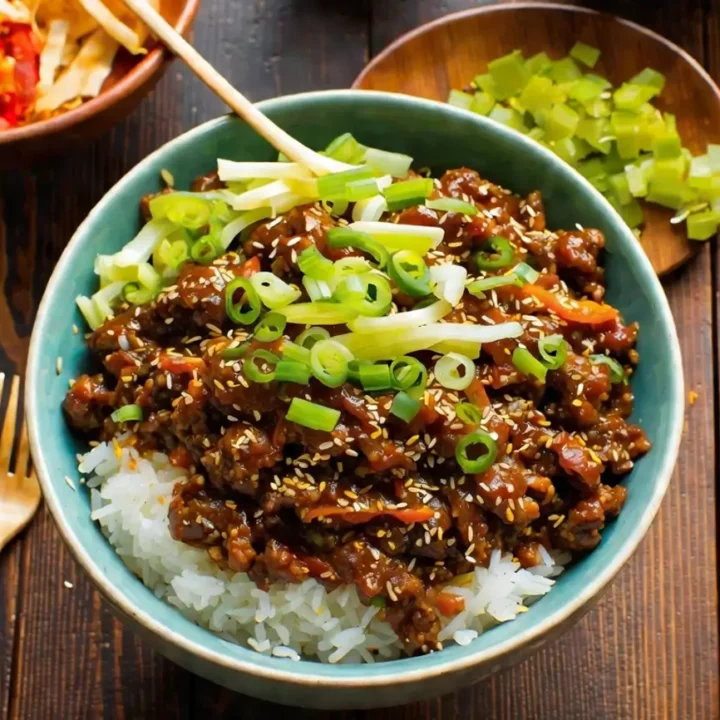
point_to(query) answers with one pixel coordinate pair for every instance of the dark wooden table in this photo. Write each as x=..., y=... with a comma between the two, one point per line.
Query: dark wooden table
x=649, y=650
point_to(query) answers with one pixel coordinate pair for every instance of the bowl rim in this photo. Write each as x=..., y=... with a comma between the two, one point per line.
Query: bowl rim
x=124, y=87
x=354, y=676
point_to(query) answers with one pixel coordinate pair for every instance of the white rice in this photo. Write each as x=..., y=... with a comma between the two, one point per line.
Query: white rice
x=130, y=497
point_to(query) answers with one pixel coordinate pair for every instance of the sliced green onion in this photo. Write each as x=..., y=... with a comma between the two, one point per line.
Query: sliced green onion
x=329, y=362
x=334, y=185
x=204, y=250
x=127, y=413
x=351, y=266
x=405, y=194
x=447, y=282
x=369, y=294
x=336, y=206
x=453, y=205
x=182, y=209
x=260, y=374
x=318, y=313
x=396, y=236
x=375, y=377
x=274, y=292
x=103, y=299
x=370, y=210
x=502, y=254
x=617, y=371
x=141, y=247
x=354, y=370
x=235, y=352
x=448, y=371
x=409, y=272
x=586, y=54
x=388, y=163
x=478, y=288
x=316, y=289
x=470, y=414
x=307, y=338
x=553, y=350
x=526, y=273
x=246, y=310
x=347, y=149
x=527, y=364
x=340, y=237
x=270, y=328
x=405, y=407
x=476, y=441
x=361, y=190
x=235, y=227
x=292, y=371
x=409, y=374
x=231, y=171
x=297, y=353
x=431, y=313
x=312, y=415
x=90, y=312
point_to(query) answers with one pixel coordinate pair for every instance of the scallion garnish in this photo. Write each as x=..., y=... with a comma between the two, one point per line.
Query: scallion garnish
x=270, y=328
x=265, y=373
x=334, y=185
x=407, y=193
x=369, y=294
x=405, y=407
x=127, y=413
x=617, y=372
x=553, y=350
x=318, y=313
x=454, y=371
x=314, y=264
x=524, y=361
x=292, y=371
x=296, y=353
x=409, y=272
x=501, y=254
x=475, y=443
x=312, y=415
x=274, y=292
x=453, y=205
x=246, y=309
x=329, y=362
x=342, y=237
x=469, y=414
x=374, y=377
x=307, y=338
x=410, y=375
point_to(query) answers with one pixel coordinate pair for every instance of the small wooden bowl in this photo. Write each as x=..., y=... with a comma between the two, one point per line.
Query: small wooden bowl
x=449, y=52
x=132, y=77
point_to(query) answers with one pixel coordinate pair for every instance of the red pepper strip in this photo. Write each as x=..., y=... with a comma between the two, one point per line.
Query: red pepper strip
x=578, y=311
x=250, y=267
x=180, y=364
x=449, y=604
x=477, y=394
x=405, y=515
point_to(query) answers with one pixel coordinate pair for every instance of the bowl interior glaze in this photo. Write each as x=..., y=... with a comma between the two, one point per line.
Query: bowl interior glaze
x=438, y=136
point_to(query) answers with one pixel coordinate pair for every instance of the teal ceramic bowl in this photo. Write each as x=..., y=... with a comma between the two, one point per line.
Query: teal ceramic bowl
x=441, y=137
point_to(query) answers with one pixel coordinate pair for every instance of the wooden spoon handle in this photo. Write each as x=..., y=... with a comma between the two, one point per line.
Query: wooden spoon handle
x=276, y=136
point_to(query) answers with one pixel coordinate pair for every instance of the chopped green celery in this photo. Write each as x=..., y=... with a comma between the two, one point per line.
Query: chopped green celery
x=347, y=149
x=670, y=121
x=562, y=122
x=649, y=130
x=571, y=150
x=667, y=146
x=630, y=212
x=586, y=54
x=648, y=76
x=509, y=75
x=626, y=129
x=600, y=183
x=565, y=70
x=596, y=132
x=537, y=134
x=598, y=108
x=713, y=155
x=669, y=170
x=515, y=104
x=671, y=195
x=591, y=168
x=538, y=64
x=613, y=163
x=699, y=175
x=460, y=99
x=485, y=83
x=537, y=93
x=482, y=103
x=703, y=225
x=637, y=179
x=619, y=188
x=630, y=97
x=584, y=90
x=509, y=117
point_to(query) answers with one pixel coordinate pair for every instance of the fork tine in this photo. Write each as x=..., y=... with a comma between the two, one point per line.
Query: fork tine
x=8, y=431
x=23, y=452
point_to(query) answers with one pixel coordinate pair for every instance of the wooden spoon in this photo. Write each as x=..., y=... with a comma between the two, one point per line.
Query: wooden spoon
x=449, y=52
x=276, y=136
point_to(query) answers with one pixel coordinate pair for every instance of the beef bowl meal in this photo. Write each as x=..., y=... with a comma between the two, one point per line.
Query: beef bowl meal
x=359, y=421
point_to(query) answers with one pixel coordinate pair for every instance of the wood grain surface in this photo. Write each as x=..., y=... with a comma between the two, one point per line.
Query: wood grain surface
x=649, y=650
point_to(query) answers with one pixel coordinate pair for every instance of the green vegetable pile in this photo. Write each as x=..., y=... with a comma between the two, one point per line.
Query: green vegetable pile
x=627, y=148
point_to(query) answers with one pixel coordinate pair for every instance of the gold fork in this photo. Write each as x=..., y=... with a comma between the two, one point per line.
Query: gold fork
x=19, y=490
